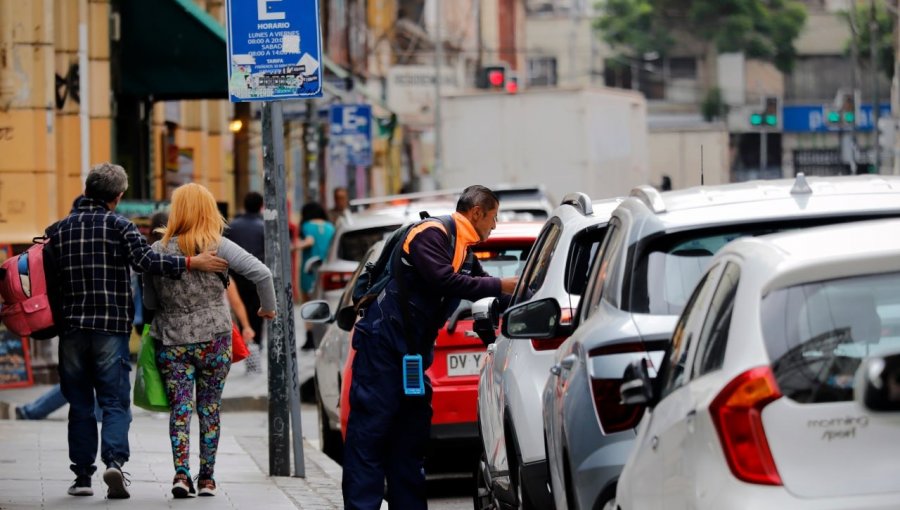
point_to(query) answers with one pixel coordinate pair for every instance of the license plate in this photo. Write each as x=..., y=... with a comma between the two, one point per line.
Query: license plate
x=463, y=363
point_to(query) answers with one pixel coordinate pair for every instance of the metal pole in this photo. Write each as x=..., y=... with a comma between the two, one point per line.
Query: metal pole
x=763, y=154
x=873, y=63
x=854, y=52
x=438, y=64
x=282, y=347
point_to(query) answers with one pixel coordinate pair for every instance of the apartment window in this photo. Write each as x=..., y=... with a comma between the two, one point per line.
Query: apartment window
x=683, y=67
x=542, y=72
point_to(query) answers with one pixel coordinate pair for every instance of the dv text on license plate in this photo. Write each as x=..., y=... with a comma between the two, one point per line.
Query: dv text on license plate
x=463, y=363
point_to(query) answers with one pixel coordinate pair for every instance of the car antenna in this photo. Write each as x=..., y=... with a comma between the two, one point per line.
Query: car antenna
x=701, y=164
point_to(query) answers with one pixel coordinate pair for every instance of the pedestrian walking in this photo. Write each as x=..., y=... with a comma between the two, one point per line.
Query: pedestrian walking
x=248, y=231
x=95, y=248
x=316, y=233
x=341, y=204
x=193, y=324
x=387, y=430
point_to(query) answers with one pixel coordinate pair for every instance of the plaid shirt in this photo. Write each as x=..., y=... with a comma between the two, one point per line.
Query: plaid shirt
x=95, y=247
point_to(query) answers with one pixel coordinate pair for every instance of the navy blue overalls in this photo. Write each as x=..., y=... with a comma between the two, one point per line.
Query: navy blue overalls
x=387, y=431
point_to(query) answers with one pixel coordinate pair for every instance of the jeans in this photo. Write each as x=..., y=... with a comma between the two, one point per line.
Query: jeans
x=50, y=401
x=94, y=367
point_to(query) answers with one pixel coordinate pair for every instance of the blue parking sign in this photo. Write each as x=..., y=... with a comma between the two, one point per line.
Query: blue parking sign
x=274, y=49
x=350, y=128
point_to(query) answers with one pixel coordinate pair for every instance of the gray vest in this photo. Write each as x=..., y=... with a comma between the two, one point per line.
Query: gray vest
x=192, y=309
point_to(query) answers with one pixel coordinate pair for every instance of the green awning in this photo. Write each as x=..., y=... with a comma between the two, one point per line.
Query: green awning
x=171, y=49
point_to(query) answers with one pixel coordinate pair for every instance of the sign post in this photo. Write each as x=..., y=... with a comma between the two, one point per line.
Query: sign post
x=274, y=53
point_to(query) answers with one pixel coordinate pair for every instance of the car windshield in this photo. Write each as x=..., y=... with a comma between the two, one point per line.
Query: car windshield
x=817, y=334
x=354, y=243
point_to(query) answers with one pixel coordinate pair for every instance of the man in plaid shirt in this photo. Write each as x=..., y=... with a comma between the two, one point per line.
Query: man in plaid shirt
x=95, y=248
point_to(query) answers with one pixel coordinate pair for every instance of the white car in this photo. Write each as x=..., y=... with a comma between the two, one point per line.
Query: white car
x=513, y=466
x=754, y=405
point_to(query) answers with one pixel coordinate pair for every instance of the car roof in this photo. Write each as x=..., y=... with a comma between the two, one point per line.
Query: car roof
x=516, y=230
x=394, y=214
x=763, y=200
x=819, y=253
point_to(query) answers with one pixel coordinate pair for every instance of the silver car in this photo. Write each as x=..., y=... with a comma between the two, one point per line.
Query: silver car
x=331, y=355
x=754, y=404
x=513, y=467
x=657, y=248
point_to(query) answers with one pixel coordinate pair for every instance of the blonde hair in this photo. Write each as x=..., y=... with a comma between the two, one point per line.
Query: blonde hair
x=195, y=219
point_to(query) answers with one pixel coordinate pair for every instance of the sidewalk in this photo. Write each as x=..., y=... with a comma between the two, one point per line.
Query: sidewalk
x=34, y=465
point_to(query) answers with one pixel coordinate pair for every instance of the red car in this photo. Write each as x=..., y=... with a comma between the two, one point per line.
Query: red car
x=458, y=351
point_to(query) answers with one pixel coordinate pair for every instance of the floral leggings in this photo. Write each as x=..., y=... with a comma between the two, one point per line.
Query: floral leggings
x=180, y=365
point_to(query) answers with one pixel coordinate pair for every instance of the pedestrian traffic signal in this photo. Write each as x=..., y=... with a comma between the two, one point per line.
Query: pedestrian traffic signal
x=512, y=85
x=492, y=77
x=756, y=119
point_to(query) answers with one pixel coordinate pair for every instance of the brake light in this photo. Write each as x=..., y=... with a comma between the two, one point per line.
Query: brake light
x=614, y=416
x=737, y=415
x=551, y=344
x=335, y=280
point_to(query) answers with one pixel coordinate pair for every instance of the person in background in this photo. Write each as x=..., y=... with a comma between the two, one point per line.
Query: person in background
x=341, y=204
x=249, y=232
x=50, y=401
x=316, y=233
x=95, y=249
x=193, y=324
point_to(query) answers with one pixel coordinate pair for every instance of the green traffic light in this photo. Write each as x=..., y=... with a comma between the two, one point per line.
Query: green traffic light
x=849, y=117
x=834, y=117
x=756, y=119
x=771, y=120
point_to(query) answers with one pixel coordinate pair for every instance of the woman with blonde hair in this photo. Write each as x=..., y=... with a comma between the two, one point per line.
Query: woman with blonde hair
x=193, y=324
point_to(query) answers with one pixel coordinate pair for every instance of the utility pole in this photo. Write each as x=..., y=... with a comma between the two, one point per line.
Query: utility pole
x=873, y=63
x=438, y=64
x=854, y=52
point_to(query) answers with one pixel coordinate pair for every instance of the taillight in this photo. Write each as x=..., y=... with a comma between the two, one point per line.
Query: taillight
x=335, y=280
x=737, y=414
x=550, y=344
x=614, y=416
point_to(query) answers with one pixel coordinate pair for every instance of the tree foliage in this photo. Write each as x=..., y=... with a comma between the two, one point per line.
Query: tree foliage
x=764, y=29
x=884, y=44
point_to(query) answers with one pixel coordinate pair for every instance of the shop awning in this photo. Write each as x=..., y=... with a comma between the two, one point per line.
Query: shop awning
x=171, y=49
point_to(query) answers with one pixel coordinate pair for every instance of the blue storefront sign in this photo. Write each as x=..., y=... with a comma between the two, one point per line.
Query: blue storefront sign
x=350, y=140
x=811, y=118
x=274, y=49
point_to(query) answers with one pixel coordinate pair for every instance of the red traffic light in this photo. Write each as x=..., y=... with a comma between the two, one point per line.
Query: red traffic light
x=512, y=86
x=495, y=78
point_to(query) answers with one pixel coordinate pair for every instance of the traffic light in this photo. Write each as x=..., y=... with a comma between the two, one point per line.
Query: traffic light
x=769, y=114
x=492, y=77
x=512, y=85
x=844, y=113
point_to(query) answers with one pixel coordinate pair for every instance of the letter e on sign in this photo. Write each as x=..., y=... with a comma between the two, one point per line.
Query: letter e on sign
x=263, y=11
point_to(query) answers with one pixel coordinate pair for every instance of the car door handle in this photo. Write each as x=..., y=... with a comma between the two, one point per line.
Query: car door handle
x=654, y=442
x=568, y=361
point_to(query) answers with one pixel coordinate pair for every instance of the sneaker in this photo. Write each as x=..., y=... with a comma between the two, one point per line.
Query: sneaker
x=116, y=481
x=81, y=486
x=182, y=485
x=206, y=486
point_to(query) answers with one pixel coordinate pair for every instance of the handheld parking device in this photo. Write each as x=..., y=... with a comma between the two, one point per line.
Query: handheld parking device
x=413, y=376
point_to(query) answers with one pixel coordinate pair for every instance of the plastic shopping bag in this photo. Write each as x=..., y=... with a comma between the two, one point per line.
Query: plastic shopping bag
x=149, y=390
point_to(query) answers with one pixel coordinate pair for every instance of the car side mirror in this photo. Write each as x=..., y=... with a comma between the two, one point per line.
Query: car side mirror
x=637, y=387
x=877, y=385
x=312, y=265
x=535, y=320
x=346, y=318
x=316, y=311
x=486, y=316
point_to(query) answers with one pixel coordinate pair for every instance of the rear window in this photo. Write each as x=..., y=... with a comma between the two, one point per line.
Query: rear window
x=354, y=244
x=817, y=334
x=502, y=261
x=670, y=265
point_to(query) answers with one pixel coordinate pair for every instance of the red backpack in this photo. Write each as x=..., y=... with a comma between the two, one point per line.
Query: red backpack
x=30, y=292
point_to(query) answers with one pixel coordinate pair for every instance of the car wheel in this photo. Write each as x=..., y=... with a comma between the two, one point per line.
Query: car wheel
x=483, y=497
x=331, y=440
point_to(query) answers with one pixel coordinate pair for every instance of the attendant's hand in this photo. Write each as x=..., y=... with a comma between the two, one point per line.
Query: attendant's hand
x=268, y=314
x=248, y=333
x=208, y=262
x=508, y=284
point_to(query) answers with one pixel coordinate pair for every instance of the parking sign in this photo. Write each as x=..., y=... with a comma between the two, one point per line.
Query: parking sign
x=351, y=133
x=274, y=49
